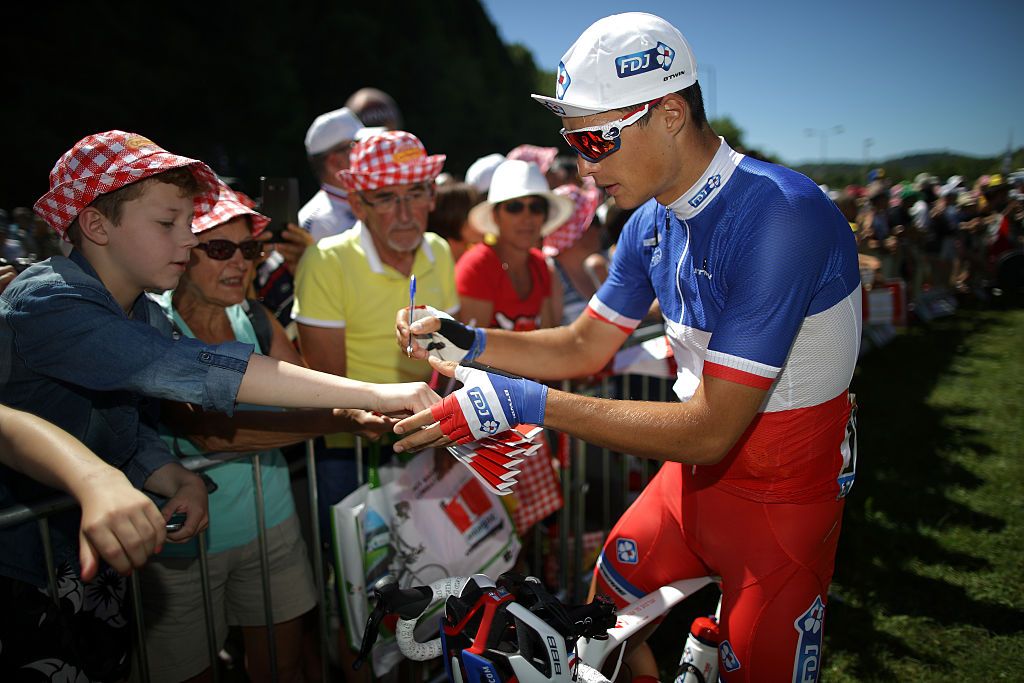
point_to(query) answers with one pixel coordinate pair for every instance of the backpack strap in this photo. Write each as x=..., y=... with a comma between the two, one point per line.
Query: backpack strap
x=260, y=321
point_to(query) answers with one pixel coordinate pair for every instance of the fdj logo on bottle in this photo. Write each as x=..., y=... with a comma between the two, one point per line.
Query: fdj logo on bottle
x=658, y=57
x=483, y=411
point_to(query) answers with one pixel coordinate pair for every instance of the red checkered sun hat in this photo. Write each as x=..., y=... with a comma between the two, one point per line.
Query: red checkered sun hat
x=230, y=204
x=104, y=162
x=389, y=158
x=542, y=156
x=586, y=199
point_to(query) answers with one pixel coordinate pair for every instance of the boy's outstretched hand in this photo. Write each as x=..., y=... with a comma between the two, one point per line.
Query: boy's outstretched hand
x=403, y=398
x=486, y=405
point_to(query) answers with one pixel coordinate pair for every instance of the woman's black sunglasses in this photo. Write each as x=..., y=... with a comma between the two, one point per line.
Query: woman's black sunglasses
x=222, y=250
x=537, y=206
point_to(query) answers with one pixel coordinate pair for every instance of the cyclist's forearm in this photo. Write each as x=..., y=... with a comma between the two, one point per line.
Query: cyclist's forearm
x=575, y=350
x=698, y=432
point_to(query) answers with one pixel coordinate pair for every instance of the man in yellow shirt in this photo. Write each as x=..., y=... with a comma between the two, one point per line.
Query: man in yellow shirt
x=348, y=286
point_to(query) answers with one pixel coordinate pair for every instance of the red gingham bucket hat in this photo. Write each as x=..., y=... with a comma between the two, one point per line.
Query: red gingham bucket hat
x=389, y=158
x=230, y=204
x=104, y=162
x=586, y=199
x=542, y=156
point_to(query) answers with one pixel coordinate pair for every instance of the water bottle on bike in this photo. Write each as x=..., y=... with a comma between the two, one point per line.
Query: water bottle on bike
x=699, y=663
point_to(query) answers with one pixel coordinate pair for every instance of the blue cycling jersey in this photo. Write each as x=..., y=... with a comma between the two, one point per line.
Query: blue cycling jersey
x=756, y=273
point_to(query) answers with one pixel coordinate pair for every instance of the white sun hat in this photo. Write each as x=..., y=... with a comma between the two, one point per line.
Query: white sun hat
x=621, y=60
x=514, y=179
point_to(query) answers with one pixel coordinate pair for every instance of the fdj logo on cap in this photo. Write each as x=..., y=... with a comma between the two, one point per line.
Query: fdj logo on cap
x=658, y=57
x=483, y=411
x=562, y=82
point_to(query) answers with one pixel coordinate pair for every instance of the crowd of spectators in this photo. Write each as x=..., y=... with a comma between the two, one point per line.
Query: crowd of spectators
x=955, y=234
x=518, y=241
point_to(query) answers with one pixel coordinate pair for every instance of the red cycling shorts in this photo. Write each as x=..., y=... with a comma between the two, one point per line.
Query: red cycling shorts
x=775, y=561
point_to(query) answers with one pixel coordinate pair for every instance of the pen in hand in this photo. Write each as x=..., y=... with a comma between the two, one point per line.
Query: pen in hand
x=412, y=304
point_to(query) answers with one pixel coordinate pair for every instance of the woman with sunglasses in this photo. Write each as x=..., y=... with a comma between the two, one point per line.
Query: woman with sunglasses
x=508, y=283
x=209, y=304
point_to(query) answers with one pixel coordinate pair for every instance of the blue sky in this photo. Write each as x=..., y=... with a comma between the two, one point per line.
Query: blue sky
x=907, y=75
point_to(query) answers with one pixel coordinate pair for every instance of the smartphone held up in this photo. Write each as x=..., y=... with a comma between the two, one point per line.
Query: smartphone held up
x=280, y=203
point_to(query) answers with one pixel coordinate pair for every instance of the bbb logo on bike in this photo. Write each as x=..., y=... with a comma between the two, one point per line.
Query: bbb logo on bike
x=808, y=646
x=555, y=659
x=625, y=550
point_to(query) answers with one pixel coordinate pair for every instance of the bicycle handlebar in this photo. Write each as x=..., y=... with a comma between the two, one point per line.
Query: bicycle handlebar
x=591, y=620
x=409, y=604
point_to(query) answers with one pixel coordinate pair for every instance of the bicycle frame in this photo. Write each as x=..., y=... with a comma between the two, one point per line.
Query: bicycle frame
x=635, y=616
x=592, y=654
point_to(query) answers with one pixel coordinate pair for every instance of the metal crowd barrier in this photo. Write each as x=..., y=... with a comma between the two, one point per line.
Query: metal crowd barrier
x=609, y=479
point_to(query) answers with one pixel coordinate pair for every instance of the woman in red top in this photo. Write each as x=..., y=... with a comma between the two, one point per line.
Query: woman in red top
x=508, y=284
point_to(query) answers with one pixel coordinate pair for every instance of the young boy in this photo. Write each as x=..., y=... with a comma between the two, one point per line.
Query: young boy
x=80, y=347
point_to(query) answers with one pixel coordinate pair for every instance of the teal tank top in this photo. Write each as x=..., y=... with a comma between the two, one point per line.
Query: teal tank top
x=233, y=504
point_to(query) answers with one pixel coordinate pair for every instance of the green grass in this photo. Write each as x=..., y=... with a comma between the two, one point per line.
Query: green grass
x=929, y=582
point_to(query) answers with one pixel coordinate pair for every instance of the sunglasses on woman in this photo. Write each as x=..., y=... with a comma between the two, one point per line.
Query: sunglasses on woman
x=597, y=142
x=537, y=206
x=222, y=250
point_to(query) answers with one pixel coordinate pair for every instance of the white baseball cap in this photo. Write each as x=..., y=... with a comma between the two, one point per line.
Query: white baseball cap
x=621, y=60
x=481, y=171
x=331, y=129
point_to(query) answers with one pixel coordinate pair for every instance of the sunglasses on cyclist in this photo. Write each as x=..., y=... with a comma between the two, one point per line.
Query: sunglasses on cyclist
x=537, y=206
x=222, y=250
x=597, y=142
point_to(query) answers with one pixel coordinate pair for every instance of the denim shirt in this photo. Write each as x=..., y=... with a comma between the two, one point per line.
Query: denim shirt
x=70, y=355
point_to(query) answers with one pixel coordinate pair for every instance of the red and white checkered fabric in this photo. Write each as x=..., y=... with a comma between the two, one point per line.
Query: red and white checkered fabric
x=586, y=199
x=245, y=199
x=230, y=204
x=542, y=156
x=537, y=492
x=389, y=158
x=104, y=162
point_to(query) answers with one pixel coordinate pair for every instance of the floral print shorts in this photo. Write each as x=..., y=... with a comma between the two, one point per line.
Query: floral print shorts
x=84, y=638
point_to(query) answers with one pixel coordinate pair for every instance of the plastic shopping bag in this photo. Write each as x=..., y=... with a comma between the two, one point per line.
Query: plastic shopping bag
x=410, y=522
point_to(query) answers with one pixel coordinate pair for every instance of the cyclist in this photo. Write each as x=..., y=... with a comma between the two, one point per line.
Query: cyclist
x=756, y=273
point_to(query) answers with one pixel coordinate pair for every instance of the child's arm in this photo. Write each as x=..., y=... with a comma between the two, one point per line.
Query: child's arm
x=272, y=382
x=81, y=340
x=119, y=523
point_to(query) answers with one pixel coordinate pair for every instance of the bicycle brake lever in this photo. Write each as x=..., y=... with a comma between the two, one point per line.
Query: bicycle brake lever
x=594, y=619
x=370, y=634
x=380, y=590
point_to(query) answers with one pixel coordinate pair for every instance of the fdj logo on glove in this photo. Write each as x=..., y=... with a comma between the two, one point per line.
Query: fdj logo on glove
x=483, y=412
x=658, y=57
